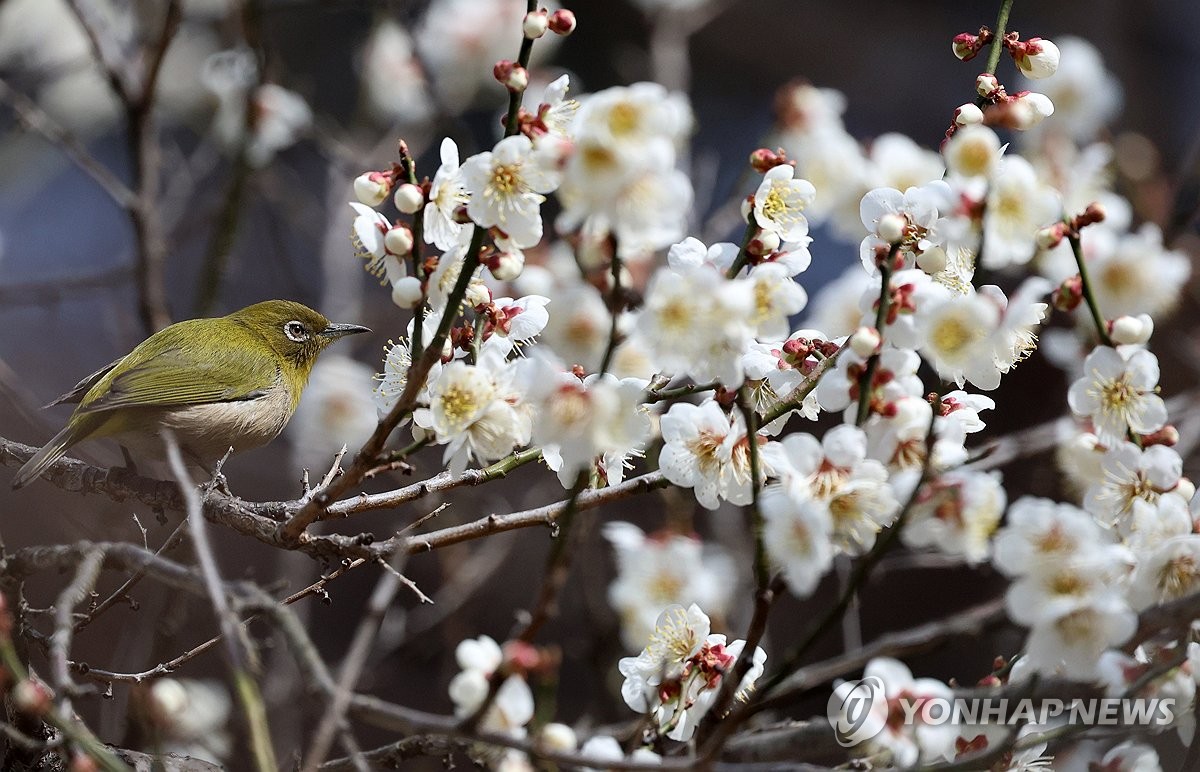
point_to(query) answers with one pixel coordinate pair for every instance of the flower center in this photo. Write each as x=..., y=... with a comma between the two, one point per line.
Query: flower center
x=506, y=179
x=623, y=119
x=673, y=639
x=459, y=405
x=1178, y=576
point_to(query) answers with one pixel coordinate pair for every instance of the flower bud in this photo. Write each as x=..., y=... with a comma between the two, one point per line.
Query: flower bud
x=372, y=188
x=987, y=84
x=747, y=207
x=81, y=762
x=763, y=243
x=398, y=240
x=763, y=160
x=562, y=22
x=1069, y=294
x=478, y=294
x=1050, y=236
x=32, y=697
x=1094, y=213
x=1130, y=330
x=865, y=341
x=965, y=46
x=1028, y=109
x=932, y=260
x=521, y=657
x=506, y=266
x=1184, y=487
x=406, y=292
x=1036, y=58
x=891, y=227
x=511, y=75
x=536, y=23
x=556, y=737
x=409, y=198
x=968, y=114
x=1169, y=436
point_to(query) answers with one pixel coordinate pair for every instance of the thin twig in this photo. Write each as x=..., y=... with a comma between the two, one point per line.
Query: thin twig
x=237, y=651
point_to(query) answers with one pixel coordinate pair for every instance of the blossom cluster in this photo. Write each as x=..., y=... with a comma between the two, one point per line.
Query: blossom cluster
x=589, y=351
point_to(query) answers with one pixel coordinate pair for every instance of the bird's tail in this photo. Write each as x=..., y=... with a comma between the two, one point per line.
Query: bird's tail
x=44, y=458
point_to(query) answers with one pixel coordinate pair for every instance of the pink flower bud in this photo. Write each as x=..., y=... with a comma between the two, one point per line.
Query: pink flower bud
x=764, y=243
x=987, y=84
x=536, y=23
x=763, y=160
x=398, y=240
x=83, y=763
x=1184, y=487
x=562, y=22
x=968, y=114
x=506, y=266
x=478, y=295
x=1169, y=436
x=511, y=75
x=31, y=696
x=1069, y=294
x=865, y=341
x=1094, y=213
x=409, y=198
x=965, y=46
x=372, y=188
x=406, y=292
x=1035, y=58
x=1050, y=236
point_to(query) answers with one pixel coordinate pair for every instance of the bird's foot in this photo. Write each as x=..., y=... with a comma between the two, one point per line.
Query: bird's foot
x=130, y=467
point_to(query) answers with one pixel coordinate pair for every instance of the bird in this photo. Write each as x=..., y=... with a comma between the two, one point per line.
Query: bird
x=219, y=383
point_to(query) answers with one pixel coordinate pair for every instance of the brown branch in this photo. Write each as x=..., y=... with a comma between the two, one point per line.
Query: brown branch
x=261, y=520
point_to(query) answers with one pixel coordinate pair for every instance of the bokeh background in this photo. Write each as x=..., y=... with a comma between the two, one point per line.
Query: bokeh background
x=274, y=223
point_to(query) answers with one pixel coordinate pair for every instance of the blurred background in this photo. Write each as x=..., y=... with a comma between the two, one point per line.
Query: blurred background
x=263, y=114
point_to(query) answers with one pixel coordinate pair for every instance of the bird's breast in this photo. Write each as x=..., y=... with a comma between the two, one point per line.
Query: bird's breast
x=209, y=430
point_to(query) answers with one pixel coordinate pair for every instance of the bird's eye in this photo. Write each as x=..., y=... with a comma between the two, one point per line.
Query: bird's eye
x=295, y=331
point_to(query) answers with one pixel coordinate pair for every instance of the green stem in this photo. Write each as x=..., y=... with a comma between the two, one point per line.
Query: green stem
x=998, y=39
x=614, y=308
x=1089, y=296
x=514, y=97
x=76, y=733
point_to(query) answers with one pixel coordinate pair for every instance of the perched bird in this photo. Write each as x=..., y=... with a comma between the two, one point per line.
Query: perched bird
x=218, y=383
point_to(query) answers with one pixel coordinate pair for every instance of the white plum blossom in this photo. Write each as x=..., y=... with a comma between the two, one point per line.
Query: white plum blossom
x=659, y=570
x=582, y=423
x=1135, y=274
x=447, y=193
x=916, y=208
x=392, y=380
x=506, y=187
x=697, y=322
x=836, y=472
x=956, y=515
x=1086, y=94
x=335, y=409
x=677, y=677
x=1134, y=478
x=707, y=450
x=1119, y=393
x=908, y=743
x=973, y=152
x=776, y=298
x=476, y=412
x=1018, y=204
x=798, y=535
x=1170, y=572
x=780, y=201
x=512, y=707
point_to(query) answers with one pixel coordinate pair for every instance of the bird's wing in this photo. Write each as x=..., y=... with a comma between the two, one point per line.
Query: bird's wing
x=77, y=393
x=177, y=376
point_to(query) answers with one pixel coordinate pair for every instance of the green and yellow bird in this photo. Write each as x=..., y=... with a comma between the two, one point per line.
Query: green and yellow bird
x=229, y=382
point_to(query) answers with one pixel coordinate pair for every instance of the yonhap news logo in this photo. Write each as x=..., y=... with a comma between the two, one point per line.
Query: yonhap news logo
x=859, y=710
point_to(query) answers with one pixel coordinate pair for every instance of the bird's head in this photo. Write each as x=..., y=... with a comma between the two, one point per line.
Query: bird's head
x=293, y=330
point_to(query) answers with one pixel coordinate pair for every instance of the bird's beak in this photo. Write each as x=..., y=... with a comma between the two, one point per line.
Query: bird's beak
x=335, y=331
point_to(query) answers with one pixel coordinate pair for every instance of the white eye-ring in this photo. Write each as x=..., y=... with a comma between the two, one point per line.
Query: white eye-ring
x=295, y=331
